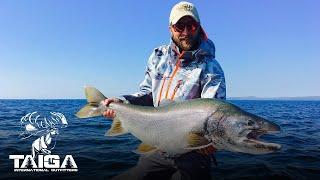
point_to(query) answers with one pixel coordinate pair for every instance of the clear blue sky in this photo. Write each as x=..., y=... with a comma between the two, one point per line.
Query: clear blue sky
x=52, y=49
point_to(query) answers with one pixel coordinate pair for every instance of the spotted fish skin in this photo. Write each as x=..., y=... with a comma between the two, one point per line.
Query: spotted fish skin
x=181, y=127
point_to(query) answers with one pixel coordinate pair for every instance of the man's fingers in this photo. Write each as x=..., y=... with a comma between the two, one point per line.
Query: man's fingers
x=109, y=113
x=106, y=102
x=207, y=150
x=105, y=114
x=212, y=149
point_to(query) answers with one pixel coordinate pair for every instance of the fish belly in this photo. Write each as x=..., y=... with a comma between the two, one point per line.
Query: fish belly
x=166, y=131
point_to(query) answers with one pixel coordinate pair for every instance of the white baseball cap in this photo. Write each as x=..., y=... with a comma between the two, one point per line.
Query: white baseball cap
x=182, y=9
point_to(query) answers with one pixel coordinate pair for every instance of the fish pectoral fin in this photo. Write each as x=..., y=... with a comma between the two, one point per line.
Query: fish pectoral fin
x=116, y=128
x=145, y=148
x=197, y=141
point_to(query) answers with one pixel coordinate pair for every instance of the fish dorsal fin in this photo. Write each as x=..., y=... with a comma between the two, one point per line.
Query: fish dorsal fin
x=145, y=148
x=116, y=128
x=166, y=102
x=93, y=95
x=197, y=141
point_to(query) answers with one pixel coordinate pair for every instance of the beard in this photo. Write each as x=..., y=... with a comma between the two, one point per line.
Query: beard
x=187, y=43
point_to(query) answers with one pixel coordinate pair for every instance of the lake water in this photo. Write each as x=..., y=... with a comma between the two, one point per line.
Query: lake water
x=104, y=157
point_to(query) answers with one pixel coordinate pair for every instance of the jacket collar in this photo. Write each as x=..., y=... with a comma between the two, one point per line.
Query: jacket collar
x=206, y=48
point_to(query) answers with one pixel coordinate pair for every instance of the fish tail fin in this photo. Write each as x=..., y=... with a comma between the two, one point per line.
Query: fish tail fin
x=116, y=128
x=94, y=97
x=88, y=111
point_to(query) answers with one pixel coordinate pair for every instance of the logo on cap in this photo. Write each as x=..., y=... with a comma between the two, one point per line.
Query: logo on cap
x=185, y=7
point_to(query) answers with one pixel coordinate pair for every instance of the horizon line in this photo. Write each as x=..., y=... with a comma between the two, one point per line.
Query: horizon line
x=232, y=97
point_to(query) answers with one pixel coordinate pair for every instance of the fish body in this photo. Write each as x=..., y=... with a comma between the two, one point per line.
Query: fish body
x=181, y=127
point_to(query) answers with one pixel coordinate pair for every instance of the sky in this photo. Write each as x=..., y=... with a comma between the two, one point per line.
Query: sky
x=53, y=48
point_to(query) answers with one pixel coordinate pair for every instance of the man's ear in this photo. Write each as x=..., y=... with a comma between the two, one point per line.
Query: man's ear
x=170, y=30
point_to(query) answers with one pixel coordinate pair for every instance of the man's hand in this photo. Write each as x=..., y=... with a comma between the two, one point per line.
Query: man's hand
x=110, y=114
x=207, y=150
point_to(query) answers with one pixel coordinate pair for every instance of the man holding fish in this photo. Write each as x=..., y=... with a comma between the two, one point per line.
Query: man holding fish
x=173, y=134
x=184, y=69
x=180, y=114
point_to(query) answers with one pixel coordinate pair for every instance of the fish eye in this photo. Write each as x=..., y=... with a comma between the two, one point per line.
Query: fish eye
x=250, y=123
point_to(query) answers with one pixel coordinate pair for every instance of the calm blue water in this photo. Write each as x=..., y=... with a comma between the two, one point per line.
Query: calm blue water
x=104, y=157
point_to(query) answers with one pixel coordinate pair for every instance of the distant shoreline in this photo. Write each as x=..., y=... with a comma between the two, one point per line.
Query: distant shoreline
x=304, y=98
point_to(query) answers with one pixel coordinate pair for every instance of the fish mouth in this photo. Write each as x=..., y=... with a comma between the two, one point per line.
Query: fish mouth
x=255, y=134
x=256, y=146
x=265, y=128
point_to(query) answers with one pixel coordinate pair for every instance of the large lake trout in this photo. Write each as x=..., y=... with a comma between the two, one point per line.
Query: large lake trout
x=181, y=127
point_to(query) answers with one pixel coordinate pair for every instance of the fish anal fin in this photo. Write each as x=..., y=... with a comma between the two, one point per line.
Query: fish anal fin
x=116, y=128
x=197, y=141
x=145, y=148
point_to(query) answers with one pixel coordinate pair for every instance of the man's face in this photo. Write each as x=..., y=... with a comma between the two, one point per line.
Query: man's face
x=185, y=33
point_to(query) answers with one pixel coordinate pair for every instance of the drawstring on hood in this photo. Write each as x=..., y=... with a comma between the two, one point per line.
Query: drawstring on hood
x=206, y=48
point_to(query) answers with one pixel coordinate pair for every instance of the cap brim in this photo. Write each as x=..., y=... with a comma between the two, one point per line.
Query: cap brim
x=175, y=19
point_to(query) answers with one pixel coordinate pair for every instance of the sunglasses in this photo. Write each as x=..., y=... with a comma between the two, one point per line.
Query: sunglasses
x=191, y=27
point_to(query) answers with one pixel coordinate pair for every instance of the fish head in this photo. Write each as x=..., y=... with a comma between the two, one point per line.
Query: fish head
x=240, y=132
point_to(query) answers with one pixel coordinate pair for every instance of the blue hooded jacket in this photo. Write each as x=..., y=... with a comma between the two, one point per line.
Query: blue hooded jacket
x=177, y=77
